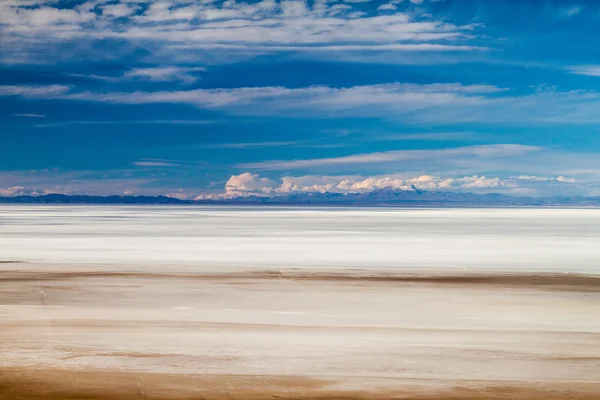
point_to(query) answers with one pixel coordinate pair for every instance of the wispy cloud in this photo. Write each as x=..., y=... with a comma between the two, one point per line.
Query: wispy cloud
x=130, y=122
x=407, y=96
x=545, y=178
x=269, y=25
x=155, y=74
x=589, y=70
x=30, y=115
x=571, y=11
x=365, y=100
x=432, y=104
x=40, y=91
x=313, y=144
x=165, y=74
x=155, y=163
x=486, y=151
x=425, y=136
x=401, y=47
x=250, y=145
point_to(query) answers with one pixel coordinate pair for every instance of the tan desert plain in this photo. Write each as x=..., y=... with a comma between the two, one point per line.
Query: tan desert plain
x=150, y=302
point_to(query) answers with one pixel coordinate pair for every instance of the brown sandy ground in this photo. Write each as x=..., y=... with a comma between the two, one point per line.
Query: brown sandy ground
x=546, y=281
x=30, y=384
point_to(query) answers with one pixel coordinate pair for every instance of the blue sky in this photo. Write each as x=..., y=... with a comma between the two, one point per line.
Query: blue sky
x=208, y=98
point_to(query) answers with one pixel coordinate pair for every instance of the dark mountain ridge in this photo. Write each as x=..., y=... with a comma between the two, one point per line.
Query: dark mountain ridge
x=381, y=197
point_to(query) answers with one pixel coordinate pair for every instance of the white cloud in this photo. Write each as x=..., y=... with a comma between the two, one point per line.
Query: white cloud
x=251, y=184
x=565, y=179
x=250, y=145
x=18, y=191
x=319, y=48
x=165, y=74
x=155, y=163
x=129, y=122
x=40, y=182
x=294, y=27
x=247, y=184
x=387, y=7
x=155, y=74
x=33, y=91
x=399, y=156
x=365, y=185
x=86, y=189
x=426, y=136
x=571, y=11
x=119, y=10
x=359, y=100
x=265, y=26
x=589, y=70
x=535, y=178
x=44, y=17
x=294, y=8
x=30, y=115
x=531, y=166
x=431, y=104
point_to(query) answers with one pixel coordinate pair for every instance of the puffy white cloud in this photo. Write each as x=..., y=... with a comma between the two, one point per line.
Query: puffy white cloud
x=18, y=191
x=294, y=8
x=387, y=7
x=249, y=184
x=119, y=10
x=45, y=16
x=565, y=179
x=36, y=183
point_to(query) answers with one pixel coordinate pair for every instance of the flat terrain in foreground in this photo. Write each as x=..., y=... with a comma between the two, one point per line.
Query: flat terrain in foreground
x=291, y=335
x=526, y=328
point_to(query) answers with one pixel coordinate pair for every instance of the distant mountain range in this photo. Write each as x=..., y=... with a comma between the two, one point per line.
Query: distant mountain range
x=381, y=197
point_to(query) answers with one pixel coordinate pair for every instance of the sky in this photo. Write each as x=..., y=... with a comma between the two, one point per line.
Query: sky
x=212, y=99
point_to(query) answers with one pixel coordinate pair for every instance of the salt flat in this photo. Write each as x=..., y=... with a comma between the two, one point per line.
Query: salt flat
x=221, y=303
x=518, y=240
